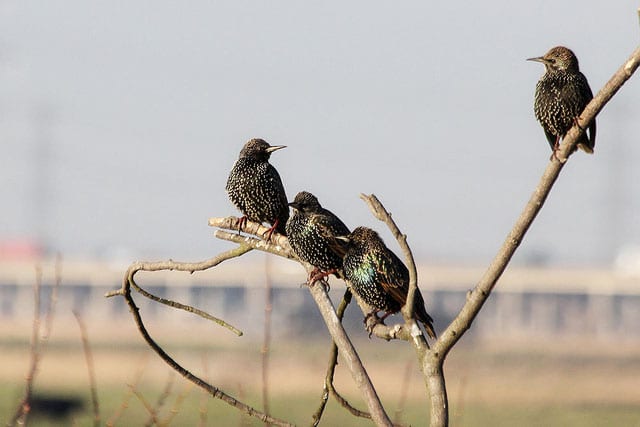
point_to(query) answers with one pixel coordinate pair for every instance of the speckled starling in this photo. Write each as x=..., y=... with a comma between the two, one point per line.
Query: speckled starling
x=254, y=186
x=311, y=231
x=562, y=93
x=379, y=277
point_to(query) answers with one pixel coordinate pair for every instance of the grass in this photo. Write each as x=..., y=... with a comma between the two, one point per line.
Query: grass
x=298, y=409
x=499, y=384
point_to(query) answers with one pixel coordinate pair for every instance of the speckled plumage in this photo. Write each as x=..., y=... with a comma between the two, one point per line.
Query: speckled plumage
x=255, y=188
x=379, y=277
x=311, y=230
x=561, y=95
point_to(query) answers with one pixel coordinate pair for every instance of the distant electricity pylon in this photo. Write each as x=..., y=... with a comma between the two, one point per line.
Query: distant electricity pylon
x=42, y=174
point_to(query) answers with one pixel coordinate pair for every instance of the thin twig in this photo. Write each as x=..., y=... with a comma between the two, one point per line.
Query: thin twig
x=268, y=307
x=205, y=396
x=187, y=308
x=319, y=293
x=328, y=387
x=379, y=211
x=420, y=345
x=385, y=216
x=88, y=355
x=333, y=362
x=125, y=401
x=345, y=404
x=480, y=293
x=404, y=389
x=150, y=409
x=349, y=354
x=433, y=362
x=177, y=404
x=282, y=248
x=22, y=412
x=38, y=341
x=125, y=291
x=162, y=398
x=243, y=419
x=171, y=265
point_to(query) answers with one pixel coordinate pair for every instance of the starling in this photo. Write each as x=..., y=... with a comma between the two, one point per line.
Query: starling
x=562, y=93
x=311, y=230
x=379, y=277
x=254, y=186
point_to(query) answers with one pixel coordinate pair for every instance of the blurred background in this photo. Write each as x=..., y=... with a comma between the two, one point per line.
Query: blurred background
x=119, y=124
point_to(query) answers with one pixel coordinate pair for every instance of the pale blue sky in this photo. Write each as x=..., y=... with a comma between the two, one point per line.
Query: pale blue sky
x=426, y=104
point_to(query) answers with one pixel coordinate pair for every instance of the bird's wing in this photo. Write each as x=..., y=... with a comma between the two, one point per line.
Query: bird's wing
x=393, y=277
x=331, y=234
x=592, y=133
x=592, y=125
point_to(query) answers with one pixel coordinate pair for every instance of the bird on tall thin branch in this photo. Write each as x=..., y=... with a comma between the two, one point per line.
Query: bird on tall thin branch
x=561, y=95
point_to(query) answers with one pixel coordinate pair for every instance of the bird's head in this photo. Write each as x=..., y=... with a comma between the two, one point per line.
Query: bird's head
x=360, y=235
x=558, y=58
x=259, y=149
x=305, y=202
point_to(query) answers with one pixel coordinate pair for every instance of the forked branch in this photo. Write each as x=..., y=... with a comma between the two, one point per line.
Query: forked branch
x=125, y=291
x=281, y=247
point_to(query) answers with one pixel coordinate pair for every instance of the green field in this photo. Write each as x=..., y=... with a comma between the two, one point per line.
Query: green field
x=576, y=383
x=195, y=409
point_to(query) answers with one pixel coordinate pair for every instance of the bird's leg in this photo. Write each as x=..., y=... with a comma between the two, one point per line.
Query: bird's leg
x=313, y=275
x=386, y=314
x=270, y=231
x=575, y=122
x=317, y=275
x=241, y=222
x=369, y=325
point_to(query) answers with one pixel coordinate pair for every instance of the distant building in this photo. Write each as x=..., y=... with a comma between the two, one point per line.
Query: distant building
x=527, y=302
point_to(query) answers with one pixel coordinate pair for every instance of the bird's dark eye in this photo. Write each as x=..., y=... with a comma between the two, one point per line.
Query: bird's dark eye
x=552, y=60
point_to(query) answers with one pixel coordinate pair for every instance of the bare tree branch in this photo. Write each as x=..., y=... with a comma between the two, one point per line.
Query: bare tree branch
x=125, y=291
x=349, y=354
x=277, y=245
x=333, y=361
x=177, y=404
x=430, y=360
x=329, y=388
x=264, y=352
x=90, y=369
x=281, y=247
x=125, y=401
x=171, y=265
x=162, y=399
x=432, y=371
x=404, y=388
x=38, y=341
x=433, y=362
x=383, y=215
x=407, y=311
x=153, y=416
x=22, y=412
x=480, y=293
x=204, y=399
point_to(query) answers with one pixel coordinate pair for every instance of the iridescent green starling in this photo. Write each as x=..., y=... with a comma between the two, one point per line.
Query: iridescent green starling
x=311, y=230
x=562, y=93
x=379, y=277
x=254, y=186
